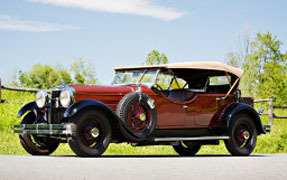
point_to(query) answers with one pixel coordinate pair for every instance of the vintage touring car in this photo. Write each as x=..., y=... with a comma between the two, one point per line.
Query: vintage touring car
x=184, y=105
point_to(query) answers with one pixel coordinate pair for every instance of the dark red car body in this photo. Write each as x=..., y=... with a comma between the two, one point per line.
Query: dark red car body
x=198, y=113
x=203, y=110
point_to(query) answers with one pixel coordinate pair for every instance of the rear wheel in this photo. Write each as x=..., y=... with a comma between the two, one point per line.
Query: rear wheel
x=242, y=136
x=187, y=148
x=34, y=144
x=92, y=133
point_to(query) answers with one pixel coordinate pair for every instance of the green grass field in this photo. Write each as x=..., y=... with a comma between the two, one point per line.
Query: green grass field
x=275, y=142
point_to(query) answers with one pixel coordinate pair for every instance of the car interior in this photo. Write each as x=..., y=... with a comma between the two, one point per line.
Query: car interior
x=185, y=84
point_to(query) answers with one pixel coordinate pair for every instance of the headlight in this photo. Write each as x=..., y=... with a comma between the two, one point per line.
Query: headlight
x=66, y=97
x=41, y=98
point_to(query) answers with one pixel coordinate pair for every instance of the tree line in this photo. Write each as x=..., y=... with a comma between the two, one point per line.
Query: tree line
x=80, y=72
x=264, y=65
x=262, y=59
x=48, y=76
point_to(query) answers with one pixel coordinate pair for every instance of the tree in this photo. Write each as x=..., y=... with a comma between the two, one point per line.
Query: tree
x=84, y=72
x=47, y=76
x=233, y=58
x=43, y=77
x=265, y=69
x=155, y=58
x=237, y=57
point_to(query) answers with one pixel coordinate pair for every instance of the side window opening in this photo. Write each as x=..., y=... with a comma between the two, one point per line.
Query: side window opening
x=219, y=80
x=171, y=82
x=219, y=84
x=198, y=84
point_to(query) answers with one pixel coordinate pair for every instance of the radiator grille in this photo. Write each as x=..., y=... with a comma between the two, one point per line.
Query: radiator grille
x=57, y=112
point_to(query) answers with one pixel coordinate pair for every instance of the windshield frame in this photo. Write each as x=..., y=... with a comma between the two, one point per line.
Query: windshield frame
x=143, y=73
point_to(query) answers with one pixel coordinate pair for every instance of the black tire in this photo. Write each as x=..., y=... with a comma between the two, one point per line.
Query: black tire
x=187, y=148
x=83, y=142
x=242, y=136
x=129, y=109
x=34, y=144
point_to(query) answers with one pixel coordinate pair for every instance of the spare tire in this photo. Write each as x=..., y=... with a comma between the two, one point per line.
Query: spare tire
x=138, y=115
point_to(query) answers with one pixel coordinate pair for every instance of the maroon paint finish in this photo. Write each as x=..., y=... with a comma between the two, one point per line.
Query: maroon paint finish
x=202, y=111
x=109, y=95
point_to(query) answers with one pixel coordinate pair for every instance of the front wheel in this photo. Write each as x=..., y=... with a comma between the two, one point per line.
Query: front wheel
x=242, y=136
x=92, y=133
x=34, y=144
x=187, y=148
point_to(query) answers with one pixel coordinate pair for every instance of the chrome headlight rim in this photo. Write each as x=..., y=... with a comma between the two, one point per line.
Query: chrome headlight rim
x=66, y=97
x=42, y=98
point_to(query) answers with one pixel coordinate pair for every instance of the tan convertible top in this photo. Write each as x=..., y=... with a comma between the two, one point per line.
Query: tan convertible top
x=190, y=65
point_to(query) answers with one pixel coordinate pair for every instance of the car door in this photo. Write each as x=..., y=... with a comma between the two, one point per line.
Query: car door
x=201, y=111
x=171, y=114
x=205, y=110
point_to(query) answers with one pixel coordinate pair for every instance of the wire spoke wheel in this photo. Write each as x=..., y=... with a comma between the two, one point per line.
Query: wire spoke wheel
x=138, y=116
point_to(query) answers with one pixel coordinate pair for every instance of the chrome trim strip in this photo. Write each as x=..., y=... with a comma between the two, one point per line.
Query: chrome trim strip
x=52, y=129
x=191, y=138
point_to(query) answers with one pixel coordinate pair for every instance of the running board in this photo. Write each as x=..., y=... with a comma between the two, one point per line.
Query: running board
x=200, y=138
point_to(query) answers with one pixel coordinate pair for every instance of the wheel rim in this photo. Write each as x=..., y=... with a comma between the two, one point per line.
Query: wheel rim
x=90, y=132
x=243, y=135
x=139, y=117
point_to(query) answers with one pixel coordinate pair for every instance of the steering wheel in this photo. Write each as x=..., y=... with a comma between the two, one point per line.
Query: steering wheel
x=157, y=89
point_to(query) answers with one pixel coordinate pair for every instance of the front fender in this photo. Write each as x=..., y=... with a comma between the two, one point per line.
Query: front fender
x=236, y=108
x=31, y=106
x=80, y=105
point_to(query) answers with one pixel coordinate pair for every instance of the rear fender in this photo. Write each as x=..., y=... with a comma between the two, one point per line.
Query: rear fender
x=237, y=108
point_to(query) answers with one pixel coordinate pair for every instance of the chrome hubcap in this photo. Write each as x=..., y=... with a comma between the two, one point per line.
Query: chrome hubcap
x=142, y=117
x=95, y=132
x=246, y=135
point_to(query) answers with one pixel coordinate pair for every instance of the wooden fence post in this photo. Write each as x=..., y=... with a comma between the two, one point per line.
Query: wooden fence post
x=270, y=116
x=0, y=90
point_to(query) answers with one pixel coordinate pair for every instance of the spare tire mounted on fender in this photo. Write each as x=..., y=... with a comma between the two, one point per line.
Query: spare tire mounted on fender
x=138, y=114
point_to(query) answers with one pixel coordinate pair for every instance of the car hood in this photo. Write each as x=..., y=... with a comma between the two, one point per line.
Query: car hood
x=102, y=90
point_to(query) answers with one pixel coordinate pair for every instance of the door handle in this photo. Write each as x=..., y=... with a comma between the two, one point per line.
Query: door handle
x=185, y=107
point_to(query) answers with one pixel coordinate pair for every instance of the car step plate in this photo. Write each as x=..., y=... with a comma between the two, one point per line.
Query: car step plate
x=200, y=138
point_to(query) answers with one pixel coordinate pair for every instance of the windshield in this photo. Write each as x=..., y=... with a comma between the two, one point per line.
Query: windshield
x=143, y=76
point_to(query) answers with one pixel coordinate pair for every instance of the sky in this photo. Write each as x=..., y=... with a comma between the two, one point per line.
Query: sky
x=114, y=33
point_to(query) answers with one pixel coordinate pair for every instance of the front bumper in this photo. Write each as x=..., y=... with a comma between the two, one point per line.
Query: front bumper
x=45, y=129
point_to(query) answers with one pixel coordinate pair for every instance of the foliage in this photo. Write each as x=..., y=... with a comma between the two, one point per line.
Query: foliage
x=42, y=77
x=84, y=72
x=155, y=58
x=265, y=72
x=232, y=58
x=276, y=142
x=47, y=76
x=9, y=109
